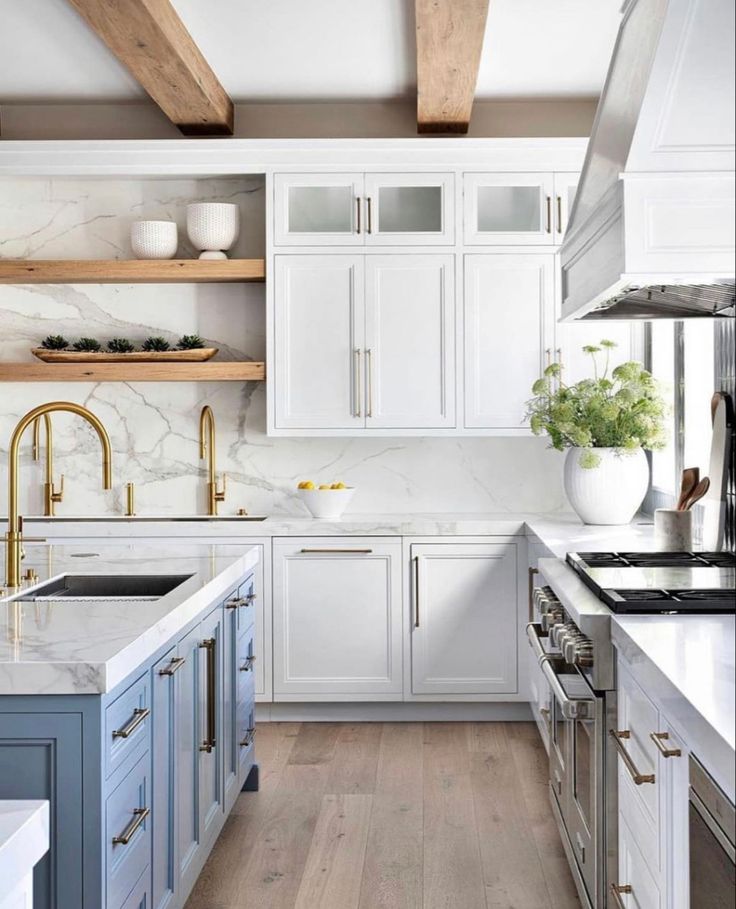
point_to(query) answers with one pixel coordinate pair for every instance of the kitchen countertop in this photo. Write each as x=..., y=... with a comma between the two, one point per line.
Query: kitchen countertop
x=687, y=665
x=90, y=647
x=24, y=839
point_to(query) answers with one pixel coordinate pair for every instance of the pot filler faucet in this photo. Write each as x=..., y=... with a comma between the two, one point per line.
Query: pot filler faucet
x=14, y=536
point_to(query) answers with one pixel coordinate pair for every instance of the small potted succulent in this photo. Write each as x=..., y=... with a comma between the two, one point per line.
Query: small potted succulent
x=605, y=423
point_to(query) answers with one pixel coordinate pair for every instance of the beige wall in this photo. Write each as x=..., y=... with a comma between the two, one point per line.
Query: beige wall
x=391, y=119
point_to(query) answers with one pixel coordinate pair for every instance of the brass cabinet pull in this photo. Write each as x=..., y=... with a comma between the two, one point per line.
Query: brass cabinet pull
x=559, y=214
x=532, y=573
x=369, y=380
x=416, y=591
x=370, y=215
x=339, y=551
x=659, y=739
x=549, y=215
x=210, y=741
x=618, y=738
x=248, y=664
x=357, y=384
x=358, y=226
x=250, y=734
x=139, y=816
x=139, y=715
x=174, y=666
x=235, y=603
x=617, y=890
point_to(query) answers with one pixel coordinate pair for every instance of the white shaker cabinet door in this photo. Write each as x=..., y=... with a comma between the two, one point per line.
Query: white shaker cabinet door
x=509, y=328
x=410, y=342
x=319, y=322
x=572, y=337
x=337, y=619
x=464, y=619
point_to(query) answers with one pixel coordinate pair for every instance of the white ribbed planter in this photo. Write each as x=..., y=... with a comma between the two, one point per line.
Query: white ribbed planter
x=610, y=493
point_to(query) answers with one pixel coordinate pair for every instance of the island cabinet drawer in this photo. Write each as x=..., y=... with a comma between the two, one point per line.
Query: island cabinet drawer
x=245, y=666
x=246, y=731
x=127, y=724
x=638, y=719
x=128, y=833
x=243, y=602
x=635, y=887
x=140, y=895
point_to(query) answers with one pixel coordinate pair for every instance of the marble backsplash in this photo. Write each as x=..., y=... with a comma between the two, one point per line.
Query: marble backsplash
x=154, y=427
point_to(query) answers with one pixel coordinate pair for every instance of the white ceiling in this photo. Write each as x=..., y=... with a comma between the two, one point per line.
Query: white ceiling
x=321, y=49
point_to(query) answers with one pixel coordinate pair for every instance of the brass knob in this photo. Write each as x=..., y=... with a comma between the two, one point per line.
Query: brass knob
x=30, y=575
x=242, y=512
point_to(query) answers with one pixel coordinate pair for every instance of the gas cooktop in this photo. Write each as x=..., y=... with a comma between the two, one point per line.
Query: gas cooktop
x=660, y=582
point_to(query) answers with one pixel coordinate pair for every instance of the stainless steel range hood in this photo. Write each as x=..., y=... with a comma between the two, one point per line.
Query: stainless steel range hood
x=651, y=233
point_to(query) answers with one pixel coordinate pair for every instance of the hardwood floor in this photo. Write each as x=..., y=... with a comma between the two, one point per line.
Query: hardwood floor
x=392, y=816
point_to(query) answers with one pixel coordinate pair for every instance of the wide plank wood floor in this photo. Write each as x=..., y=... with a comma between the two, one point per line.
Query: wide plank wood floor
x=392, y=816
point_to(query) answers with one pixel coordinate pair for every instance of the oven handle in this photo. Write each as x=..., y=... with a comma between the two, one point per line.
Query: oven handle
x=571, y=708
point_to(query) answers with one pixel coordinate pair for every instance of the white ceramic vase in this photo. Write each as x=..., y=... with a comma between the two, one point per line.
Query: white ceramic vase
x=610, y=493
x=213, y=227
x=154, y=239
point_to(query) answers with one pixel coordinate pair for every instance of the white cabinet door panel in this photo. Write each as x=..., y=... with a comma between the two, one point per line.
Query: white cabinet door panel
x=566, y=187
x=337, y=619
x=509, y=209
x=410, y=209
x=410, y=342
x=572, y=337
x=509, y=324
x=464, y=623
x=319, y=327
x=318, y=210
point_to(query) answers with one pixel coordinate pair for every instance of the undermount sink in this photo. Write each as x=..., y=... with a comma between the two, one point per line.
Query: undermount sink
x=157, y=519
x=108, y=587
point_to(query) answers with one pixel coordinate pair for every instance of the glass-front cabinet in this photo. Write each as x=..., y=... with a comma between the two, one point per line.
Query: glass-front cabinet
x=364, y=209
x=517, y=208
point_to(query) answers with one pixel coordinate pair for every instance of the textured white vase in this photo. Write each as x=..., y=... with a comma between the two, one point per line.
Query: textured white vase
x=610, y=493
x=213, y=227
x=154, y=239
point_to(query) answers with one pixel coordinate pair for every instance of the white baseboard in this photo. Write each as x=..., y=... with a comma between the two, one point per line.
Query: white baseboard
x=392, y=713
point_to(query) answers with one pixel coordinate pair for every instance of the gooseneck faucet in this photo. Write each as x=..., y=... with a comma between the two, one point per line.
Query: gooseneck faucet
x=50, y=493
x=14, y=535
x=207, y=450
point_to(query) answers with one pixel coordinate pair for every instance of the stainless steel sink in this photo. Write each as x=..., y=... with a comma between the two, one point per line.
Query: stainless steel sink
x=107, y=587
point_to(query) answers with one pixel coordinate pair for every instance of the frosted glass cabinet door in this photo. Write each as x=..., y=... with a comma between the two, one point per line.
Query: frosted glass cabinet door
x=509, y=209
x=318, y=210
x=409, y=209
x=509, y=328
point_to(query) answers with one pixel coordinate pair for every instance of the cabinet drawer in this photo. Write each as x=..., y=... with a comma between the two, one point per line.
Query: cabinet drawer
x=246, y=729
x=638, y=718
x=128, y=833
x=247, y=609
x=639, y=824
x=127, y=724
x=245, y=666
x=636, y=887
x=140, y=896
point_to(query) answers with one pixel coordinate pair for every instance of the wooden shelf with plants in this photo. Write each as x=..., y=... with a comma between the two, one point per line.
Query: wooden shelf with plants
x=131, y=271
x=211, y=371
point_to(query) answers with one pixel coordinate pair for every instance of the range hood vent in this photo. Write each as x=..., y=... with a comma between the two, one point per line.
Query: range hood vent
x=651, y=233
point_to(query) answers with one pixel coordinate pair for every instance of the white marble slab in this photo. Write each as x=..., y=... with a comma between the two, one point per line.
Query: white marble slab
x=687, y=665
x=88, y=648
x=24, y=839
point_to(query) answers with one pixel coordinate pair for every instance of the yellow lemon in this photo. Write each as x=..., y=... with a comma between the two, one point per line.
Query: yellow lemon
x=306, y=484
x=324, y=486
x=339, y=486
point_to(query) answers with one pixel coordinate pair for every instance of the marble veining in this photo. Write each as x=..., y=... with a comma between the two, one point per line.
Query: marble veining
x=24, y=840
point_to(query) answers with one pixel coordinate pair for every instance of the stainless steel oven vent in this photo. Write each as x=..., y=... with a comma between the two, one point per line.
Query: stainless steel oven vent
x=669, y=301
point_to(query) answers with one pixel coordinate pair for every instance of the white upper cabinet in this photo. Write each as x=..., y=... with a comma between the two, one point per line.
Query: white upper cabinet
x=410, y=342
x=566, y=187
x=508, y=333
x=319, y=324
x=364, y=209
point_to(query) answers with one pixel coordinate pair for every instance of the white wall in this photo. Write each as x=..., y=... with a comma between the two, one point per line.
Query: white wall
x=154, y=426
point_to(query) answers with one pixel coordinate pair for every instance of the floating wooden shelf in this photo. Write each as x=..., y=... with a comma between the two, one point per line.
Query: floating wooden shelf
x=131, y=271
x=212, y=371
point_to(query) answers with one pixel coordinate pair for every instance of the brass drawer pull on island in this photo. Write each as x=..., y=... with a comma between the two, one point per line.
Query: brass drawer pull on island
x=139, y=816
x=235, y=603
x=210, y=741
x=618, y=738
x=248, y=664
x=139, y=715
x=250, y=734
x=334, y=551
x=174, y=666
x=659, y=739
x=617, y=890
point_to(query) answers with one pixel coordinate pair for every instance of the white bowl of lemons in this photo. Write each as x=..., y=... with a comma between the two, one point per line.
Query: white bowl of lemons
x=327, y=501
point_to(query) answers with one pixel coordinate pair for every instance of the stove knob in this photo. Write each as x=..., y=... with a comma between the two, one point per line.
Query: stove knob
x=551, y=618
x=559, y=632
x=570, y=647
x=584, y=654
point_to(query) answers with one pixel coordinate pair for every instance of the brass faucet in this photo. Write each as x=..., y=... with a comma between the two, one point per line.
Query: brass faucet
x=50, y=494
x=207, y=450
x=14, y=536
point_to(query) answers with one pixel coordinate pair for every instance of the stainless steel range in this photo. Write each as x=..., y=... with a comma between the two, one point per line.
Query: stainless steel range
x=574, y=685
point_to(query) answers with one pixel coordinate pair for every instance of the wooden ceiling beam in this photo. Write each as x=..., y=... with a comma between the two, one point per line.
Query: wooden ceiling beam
x=149, y=38
x=449, y=44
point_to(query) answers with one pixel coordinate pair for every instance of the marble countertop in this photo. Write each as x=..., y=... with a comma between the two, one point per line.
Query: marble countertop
x=24, y=839
x=687, y=665
x=90, y=647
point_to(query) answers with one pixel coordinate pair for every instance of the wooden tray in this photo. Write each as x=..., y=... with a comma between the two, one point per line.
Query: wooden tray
x=139, y=356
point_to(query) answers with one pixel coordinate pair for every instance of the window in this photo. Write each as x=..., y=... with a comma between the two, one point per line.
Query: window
x=698, y=375
x=662, y=366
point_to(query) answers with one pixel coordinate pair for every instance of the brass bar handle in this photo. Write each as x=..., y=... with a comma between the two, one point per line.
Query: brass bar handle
x=369, y=380
x=370, y=215
x=416, y=591
x=139, y=816
x=210, y=741
x=618, y=738
x=659, y=739
x=559, y=214
x=130, y=499
x=250, y=734
x=358, y=218
x=139, y=715
x=235, y=603
x=617, y=890
x=174, y=666
x=549, y=215
x=338, y=551
x=532, y=573
x=357, y=384
x=248, y=664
